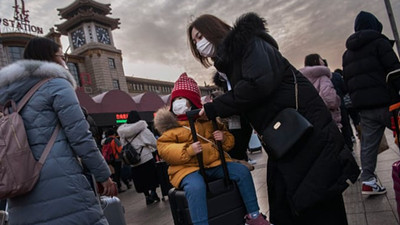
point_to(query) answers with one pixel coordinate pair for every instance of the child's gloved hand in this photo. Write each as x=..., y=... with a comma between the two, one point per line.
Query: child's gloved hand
x=196, y=146
x=218, y=135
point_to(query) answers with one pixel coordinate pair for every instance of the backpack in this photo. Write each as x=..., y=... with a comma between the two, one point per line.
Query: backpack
x=130, y=155
x=19, y=171
x=108, y=152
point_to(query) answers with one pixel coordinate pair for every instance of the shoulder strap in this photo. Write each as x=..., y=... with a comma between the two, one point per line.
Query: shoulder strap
x=133, y=137
x=49, y=144
x=28, y=95
x=201, y=137
x=296, y=91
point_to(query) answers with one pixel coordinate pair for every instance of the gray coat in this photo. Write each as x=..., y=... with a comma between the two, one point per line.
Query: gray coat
x=63, y=194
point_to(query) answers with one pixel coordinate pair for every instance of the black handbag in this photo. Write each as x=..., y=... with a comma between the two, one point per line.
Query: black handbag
x=285, y=130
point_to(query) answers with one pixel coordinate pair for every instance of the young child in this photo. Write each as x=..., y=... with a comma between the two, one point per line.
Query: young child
x=175, y=145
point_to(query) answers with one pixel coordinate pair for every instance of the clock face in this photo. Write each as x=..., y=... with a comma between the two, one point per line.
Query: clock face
x=103, y=36
x=78, y=38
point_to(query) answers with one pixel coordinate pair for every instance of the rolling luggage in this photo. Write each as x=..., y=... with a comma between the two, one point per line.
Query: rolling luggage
x=112, y=207
x=224, y=202
x=395, y=109
x=254, y=143
x=113, y=210
x=163, y=178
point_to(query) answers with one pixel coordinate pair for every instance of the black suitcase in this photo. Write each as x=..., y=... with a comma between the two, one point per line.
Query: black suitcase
x=224, y=202
x=163, y=178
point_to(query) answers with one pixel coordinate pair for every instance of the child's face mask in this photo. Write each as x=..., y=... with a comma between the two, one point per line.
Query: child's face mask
x=179, y=106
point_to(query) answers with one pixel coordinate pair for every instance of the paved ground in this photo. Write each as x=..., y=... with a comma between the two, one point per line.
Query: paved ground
x=361, y=210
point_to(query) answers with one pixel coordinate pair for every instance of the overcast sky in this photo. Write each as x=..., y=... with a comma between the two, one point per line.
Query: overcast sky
x=152, y=34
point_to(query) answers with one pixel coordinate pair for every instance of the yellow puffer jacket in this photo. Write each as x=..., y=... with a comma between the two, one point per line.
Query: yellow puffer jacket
x=174, y=145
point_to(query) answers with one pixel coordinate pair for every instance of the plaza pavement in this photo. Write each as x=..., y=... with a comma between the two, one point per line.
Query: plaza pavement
x=361, y=210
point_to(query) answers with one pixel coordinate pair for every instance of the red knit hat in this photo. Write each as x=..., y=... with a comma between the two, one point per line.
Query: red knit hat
x=186, y=87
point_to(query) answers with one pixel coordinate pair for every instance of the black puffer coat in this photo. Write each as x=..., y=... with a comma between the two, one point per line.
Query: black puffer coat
x=368, y=59
x=305, y=186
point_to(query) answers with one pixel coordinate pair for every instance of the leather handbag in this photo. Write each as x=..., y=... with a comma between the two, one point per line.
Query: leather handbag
x=286, y=129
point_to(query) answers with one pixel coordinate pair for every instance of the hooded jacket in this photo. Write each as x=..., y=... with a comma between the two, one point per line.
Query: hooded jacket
x=320, y=77
x=139, y=136
x=62, y=194
x=262, y=82
x=175, y=145
x=368, y=59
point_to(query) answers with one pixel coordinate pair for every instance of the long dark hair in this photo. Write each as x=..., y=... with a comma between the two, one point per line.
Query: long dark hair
x=212, y=28
x=312, y=60
x=42, y=49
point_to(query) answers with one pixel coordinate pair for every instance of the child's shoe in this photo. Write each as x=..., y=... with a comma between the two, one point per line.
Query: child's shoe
x=260, y=220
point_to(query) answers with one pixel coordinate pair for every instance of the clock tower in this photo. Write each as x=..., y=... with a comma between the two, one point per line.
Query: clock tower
x=93, y=51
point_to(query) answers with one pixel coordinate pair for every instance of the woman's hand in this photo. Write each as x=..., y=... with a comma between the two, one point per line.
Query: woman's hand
x=202, y=114
x=109, y=188
x=218, y=135
x=197, y=147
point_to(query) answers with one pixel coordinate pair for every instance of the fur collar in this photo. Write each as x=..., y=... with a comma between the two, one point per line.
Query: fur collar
x=33, y=69
x=165, y=120
x=246, y=27
x=128, y=130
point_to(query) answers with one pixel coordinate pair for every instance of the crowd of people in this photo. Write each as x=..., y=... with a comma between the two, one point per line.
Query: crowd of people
x=258, y=82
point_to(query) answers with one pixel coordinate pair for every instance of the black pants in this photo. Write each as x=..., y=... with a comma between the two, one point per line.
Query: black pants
x=242, y=138
x=117, y=173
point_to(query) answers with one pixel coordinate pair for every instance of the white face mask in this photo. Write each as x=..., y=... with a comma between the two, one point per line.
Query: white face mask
x=179, y=107
x=205, y=48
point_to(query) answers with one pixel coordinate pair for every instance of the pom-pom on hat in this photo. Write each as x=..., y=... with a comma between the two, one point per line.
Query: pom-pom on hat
x=186, y=87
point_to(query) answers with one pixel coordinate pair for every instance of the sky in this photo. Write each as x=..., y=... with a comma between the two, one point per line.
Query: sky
x=152, y=33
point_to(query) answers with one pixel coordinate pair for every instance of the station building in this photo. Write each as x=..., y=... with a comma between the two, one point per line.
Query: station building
x=93, y=59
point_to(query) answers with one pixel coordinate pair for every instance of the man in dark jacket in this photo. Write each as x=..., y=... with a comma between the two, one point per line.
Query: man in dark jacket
x=368, y=59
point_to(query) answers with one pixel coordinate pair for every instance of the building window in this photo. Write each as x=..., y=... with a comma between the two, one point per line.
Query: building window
x=73, y=69
x=115, y=84
x=16, y=53
x=111, y=63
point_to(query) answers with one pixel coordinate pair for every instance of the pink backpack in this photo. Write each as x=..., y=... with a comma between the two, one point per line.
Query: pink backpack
x=19, y=171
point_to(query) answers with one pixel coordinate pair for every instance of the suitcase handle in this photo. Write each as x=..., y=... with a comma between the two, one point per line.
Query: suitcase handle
x=191, y=117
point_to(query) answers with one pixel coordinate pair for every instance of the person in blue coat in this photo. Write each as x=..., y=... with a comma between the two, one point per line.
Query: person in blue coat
x=62, y=194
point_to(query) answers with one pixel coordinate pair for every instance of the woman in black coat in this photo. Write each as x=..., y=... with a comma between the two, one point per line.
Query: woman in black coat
x=306, y=185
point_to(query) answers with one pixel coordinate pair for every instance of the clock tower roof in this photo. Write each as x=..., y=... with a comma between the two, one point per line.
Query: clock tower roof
x=82, y=11
x=70, y=11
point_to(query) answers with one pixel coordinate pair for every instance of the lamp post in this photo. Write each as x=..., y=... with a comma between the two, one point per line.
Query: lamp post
x=393, y=24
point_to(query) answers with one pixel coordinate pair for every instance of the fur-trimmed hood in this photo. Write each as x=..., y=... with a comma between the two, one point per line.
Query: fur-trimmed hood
x=24, y=69
x=129, y=130
x=246, y=27
x=165, y=120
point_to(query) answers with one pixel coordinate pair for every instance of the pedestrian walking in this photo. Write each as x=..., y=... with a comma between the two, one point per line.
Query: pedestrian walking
x=320, y=76
x=306, y=185
x=111, y=150
x=144, y=173
x=62, y=194
x=368, y=59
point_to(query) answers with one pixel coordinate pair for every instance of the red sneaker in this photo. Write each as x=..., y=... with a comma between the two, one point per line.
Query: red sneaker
x=372, y=188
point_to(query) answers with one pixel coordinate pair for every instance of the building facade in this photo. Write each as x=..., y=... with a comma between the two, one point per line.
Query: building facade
x=93, y=58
